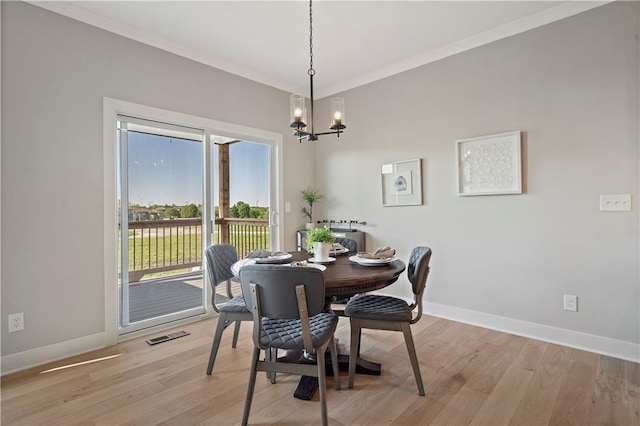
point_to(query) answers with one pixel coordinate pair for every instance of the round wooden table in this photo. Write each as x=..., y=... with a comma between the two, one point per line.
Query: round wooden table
x=342, y=279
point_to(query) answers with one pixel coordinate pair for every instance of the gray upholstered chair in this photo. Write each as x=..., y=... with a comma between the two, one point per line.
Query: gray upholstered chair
x=220, y=257
x=390, y=313
x=287, y=304
x=348, y=243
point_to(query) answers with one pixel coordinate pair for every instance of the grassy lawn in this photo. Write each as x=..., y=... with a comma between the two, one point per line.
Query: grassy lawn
x=155, y=252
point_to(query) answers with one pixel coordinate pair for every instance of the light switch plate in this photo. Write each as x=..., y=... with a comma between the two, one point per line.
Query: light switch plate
x=615, y=203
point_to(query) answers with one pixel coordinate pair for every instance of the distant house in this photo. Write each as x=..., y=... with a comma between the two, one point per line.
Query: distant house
x=140, y=214
x=160, y=212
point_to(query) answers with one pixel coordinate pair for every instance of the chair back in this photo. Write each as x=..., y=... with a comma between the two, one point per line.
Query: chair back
x=220, y=257
x=277, y=288
x=417, y=272
x=348, y=243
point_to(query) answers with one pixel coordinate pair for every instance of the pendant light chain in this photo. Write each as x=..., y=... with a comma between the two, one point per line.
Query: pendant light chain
x=311, y=70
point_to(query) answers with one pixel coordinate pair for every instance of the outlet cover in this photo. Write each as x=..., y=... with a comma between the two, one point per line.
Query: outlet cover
x=570, y=303
x=16, y=322
x=615, y=203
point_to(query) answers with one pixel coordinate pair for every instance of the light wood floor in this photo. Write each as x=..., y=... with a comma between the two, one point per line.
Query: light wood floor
x=471, y=376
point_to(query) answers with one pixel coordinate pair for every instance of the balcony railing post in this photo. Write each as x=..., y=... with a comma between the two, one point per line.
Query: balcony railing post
x=224, y=232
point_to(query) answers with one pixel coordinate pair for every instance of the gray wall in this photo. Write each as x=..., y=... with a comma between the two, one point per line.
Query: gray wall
x=55, y=73
x=572, y=86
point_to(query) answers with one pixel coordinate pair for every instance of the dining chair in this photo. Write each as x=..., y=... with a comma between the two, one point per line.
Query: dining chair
x=348, y=243
x=390, y=313
x=220, y=257
x=287, y=305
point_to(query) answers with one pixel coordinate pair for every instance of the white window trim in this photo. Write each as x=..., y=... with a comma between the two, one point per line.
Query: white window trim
x=113, y=107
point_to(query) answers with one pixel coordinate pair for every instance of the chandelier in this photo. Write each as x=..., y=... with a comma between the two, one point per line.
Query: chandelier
x=298, y=112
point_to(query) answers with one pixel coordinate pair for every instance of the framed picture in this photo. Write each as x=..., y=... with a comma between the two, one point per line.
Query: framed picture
x=402, y=183
x=489, y=165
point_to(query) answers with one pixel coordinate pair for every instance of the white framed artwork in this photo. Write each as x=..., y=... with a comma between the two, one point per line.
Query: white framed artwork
x=402, y=183
x=490, y=165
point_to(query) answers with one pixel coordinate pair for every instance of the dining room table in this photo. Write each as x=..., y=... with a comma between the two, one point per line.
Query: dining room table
x=345, y=275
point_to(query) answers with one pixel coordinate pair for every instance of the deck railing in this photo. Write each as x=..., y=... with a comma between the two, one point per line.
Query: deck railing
x=245, y=234
x=157, y=246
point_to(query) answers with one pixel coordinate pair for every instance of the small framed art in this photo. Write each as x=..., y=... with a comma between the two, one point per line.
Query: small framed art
x=402, y=183
x=489, y=165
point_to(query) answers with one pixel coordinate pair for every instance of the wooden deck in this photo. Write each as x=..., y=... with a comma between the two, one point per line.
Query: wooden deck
x=161, y=296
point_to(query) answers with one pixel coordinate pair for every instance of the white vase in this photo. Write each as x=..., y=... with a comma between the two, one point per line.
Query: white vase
x=309, y=226
x=321, y=251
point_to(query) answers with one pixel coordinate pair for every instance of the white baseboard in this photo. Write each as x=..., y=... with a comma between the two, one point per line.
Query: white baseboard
x=589, y=342
x=56, y=351
x=45, y=354
x=575, y=339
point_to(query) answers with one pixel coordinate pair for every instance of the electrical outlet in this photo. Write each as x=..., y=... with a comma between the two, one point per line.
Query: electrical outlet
x=16, y=322
x=570, y=303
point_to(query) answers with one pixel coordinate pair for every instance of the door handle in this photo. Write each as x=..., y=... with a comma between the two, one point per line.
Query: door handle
x=273, y=218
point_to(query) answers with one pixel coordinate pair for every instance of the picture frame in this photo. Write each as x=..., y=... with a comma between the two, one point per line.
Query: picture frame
x=402, y=183
x=489, y=165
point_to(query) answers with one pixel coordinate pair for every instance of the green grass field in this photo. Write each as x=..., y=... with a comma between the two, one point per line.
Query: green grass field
x=156, y=252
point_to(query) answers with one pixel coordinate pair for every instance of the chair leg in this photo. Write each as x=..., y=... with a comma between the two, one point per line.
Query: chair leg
x=334, y=363
x=236, y=331
x=354, y=349
x=216, y=341
x=251, y=385
x=271, y=355
x=322, y=383
x=408, y=338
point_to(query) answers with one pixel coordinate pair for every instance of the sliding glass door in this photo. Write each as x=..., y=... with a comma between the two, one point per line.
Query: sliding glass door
x=179, y=189
x=241, y=195
x=161, y=223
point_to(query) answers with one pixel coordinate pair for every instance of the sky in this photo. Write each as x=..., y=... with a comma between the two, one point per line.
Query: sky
x=248, y=174
x=164, y=170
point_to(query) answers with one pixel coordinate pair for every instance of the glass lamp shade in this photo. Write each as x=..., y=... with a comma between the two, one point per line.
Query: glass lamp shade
x=337, y=114
x=297, y=111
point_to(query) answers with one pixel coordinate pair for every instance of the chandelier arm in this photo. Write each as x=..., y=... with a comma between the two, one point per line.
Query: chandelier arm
x=335, y=132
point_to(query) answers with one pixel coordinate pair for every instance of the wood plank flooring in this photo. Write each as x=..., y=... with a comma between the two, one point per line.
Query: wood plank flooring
x=472, y=376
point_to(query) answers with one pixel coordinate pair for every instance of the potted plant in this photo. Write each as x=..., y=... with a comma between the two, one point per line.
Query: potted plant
x=319, y=242
x=310, y=196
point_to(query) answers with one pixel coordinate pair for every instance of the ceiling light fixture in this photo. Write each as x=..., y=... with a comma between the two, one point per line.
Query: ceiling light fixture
x=297, y=109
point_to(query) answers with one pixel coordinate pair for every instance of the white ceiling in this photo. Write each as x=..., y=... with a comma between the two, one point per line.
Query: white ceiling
x=354, y=42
